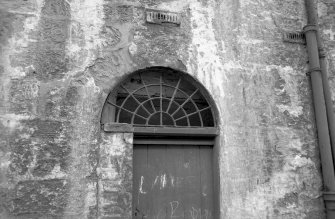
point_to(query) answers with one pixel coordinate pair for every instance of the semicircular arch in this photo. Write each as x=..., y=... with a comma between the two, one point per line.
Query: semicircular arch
x=160, y=96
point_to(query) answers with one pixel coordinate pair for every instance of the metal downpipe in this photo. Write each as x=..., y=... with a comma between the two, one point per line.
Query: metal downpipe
x=313, y=19
x=320, y=110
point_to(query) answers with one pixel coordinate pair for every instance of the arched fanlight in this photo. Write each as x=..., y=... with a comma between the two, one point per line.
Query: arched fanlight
x=160, y=97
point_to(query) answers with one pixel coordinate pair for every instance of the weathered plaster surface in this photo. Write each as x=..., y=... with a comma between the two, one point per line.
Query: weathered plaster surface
x=115, y=175
x=60, y=58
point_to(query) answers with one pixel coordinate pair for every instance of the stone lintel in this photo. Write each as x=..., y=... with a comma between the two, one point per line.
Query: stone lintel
x=118, y=128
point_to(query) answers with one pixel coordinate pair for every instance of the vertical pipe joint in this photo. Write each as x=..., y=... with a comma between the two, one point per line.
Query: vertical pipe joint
x=310, y=27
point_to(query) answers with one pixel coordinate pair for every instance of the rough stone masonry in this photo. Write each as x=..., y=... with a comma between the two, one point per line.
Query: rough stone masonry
x=60, y=59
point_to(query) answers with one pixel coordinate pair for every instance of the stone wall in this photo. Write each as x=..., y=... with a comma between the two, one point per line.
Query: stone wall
x=115, y=175
x=60, y=58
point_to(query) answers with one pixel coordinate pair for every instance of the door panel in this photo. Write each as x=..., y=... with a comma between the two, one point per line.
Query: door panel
x=172, y=181
x=140, y=159
x=207, y=189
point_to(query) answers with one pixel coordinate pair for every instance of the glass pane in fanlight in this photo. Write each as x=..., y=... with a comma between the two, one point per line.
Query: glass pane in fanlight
x=170, y=78
x=149, y=106
x=130, y=104
x=155, y=119
x=195, y=120
x=189, y=107
x=167, y=120
x=141, y=95
x=139, y=121
x=207, y=118
x=168, y=91
x=182, y=122
x=142, y=112
x=151, y=77
x=173, y=107
x=165, y=103
x=125, y=117
x=157, y=103
x=154, y=91
x=180, y=113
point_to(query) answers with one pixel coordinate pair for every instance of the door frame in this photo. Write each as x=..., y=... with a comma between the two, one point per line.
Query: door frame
x=186, y=136
x=109, y=124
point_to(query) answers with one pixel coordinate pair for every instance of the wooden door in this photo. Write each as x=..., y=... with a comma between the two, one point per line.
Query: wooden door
x=173, y=181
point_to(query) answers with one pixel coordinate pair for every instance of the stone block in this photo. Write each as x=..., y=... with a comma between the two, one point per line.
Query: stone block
x=24, y=95
x=46, y=197
x=118, y=128
x=56, y=8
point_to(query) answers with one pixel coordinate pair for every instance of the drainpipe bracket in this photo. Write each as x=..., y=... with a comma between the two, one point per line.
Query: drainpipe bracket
x=322, y=53
x=310, y=27
x=329, y=198
x=313, y=70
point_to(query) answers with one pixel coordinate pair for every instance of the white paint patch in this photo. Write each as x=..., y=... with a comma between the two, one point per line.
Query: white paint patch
x=195, y=213
x=291, y=88
x=132, y=48
x=298, y=174
x=57, y=173
x=20, y=41
x=249, y=41
x=17, y=44
x=171, y=6
x=25, y=136
x=163, y=181
x=88, y=19
x=5, y=161
x=172, y=181
x=299, y=162
x=330, y=33
x=141, y=186
x=155, y=182
x=113, y=145
x=322, y=9
x=204, y=58
x=297, y=144
x=174, y=205
x=12, y=121
x=91, y=86
x=293, y=111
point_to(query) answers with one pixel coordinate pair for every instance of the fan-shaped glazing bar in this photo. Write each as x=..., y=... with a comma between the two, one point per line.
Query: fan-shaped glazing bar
x=189, y=98
x=117, y=119
x=173, y=95
x=132, y=95
x=191, y=114
x=146, y=90
x=147, y=119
